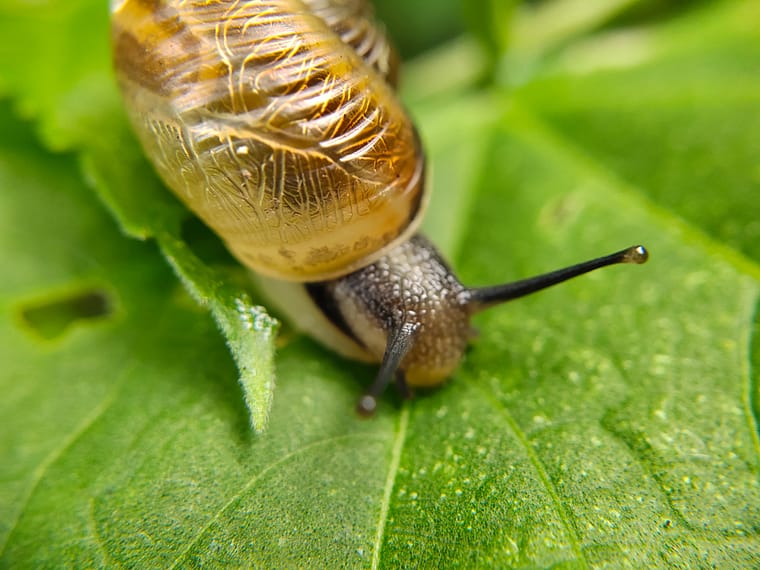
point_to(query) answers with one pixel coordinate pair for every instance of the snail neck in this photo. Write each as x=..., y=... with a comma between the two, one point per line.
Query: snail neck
x=407, y=310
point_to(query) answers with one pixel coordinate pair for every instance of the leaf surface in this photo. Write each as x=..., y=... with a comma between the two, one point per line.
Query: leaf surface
x=610, y=422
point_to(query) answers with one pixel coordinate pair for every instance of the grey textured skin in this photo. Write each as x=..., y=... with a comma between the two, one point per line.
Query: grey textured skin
x=412, y=292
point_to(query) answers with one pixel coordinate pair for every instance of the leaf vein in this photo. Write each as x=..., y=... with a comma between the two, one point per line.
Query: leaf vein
x=98, y=539
x=56, y=453
x=548, y=484
x=750, y=378
x=390, y=481
x=251, y=482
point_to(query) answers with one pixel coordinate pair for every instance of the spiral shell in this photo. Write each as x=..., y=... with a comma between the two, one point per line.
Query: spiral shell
x=276, y=123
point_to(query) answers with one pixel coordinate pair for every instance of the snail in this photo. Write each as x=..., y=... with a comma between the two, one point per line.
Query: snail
x=277, y=123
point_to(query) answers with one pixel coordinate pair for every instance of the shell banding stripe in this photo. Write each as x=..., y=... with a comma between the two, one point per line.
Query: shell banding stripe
x=274, y=130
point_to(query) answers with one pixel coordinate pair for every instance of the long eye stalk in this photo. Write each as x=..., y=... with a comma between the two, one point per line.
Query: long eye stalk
x=406, y=336
x=485, y=297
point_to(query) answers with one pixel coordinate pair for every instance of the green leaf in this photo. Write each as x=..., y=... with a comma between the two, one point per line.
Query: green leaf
x=544, y=26
x=75, y=102
x=420, y=25
x=609, y=422
x=652, y=100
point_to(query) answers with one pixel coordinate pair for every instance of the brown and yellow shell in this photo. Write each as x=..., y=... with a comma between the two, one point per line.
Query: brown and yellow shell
x=275, y=122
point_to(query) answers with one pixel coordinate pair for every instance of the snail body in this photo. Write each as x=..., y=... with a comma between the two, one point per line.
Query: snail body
x=276, y=122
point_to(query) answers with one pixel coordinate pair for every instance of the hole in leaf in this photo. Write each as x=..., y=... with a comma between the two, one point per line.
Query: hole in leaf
x=50, y=318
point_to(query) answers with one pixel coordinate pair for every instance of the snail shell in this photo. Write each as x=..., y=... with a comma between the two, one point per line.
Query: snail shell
x=274, y=121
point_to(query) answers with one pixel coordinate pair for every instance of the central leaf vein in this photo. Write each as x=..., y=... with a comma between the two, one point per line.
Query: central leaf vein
x=390, y=481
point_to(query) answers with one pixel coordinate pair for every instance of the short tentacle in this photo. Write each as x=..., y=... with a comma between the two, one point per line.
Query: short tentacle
x=400, y=342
